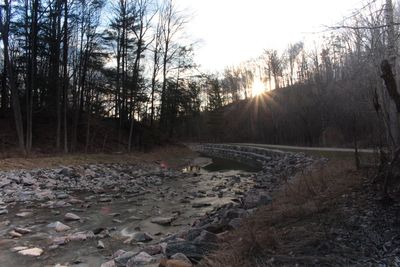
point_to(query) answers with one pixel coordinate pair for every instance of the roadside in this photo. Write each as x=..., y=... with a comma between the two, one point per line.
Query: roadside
x=328, y=152
x=329, y=216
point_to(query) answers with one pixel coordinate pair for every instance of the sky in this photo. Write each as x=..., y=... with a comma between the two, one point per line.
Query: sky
x=232, y=31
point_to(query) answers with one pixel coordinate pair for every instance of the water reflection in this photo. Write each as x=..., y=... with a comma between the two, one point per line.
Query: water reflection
x=219, y=165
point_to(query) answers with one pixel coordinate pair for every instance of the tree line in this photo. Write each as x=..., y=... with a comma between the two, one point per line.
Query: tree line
x=78, y=61
x=327, y=93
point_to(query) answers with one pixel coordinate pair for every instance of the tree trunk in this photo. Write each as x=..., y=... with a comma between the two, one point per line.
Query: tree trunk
x=4, y=29
x=65, y=75
x=392, y=62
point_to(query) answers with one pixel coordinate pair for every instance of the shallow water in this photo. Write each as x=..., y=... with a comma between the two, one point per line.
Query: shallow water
x=219, y=164
x=133, y=212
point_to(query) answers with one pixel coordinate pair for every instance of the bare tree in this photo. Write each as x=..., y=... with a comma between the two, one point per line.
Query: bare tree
x=5, y=19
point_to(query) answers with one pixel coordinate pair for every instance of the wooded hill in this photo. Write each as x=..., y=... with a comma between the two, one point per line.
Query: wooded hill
x=335, y=115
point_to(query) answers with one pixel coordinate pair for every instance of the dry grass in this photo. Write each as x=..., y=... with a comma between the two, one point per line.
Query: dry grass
x=291, y=230
x=172, y=156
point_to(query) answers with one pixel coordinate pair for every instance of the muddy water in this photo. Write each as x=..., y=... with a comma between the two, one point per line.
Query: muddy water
x=123, y=216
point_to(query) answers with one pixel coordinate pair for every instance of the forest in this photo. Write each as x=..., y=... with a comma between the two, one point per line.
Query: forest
x=100, y=76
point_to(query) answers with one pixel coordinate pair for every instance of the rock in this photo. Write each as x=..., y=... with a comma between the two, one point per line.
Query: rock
x=162, y=220
x=79, y=236
x=22, y=230
x=140, y=259
x=98, y=230
x=15, y=249
x=193, y=233
x=53, y=247
x=4, y=182
x=71, y=217
x=14, y=234
x=110, y=263
x=234, y=213
x=153, y=250
x=100, y=245
x=193, y=250
x=28, y=180
x=62, y=195
x=181, y=257
x=255, y=198
x=60, y=240
x=105, y=199
x=142, y=237
x=24, y=214
x=3, y=211
x=123, y=259
x=235, y=223
x=118, y=253
x=206, y=236
x=59, y=226
x=67, y=172
x=33, y=252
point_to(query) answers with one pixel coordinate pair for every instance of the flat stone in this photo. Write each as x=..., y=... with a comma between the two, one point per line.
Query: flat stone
x=62, y=195
x=59, y=226
x=71, y=217
x=79, y=236
x=22, y=230
x=15, y=234
x=15, y=249
x=62, y=240
x=33, y=252
x=3, y=211
x=24, y=214
x=162, y=220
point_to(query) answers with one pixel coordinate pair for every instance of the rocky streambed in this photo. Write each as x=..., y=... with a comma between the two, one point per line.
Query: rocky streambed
x=128, y=215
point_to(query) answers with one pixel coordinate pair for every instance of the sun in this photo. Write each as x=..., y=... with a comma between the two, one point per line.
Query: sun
x=258, y=87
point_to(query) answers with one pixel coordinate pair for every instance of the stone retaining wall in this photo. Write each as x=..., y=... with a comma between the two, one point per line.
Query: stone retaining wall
x=250, y=155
